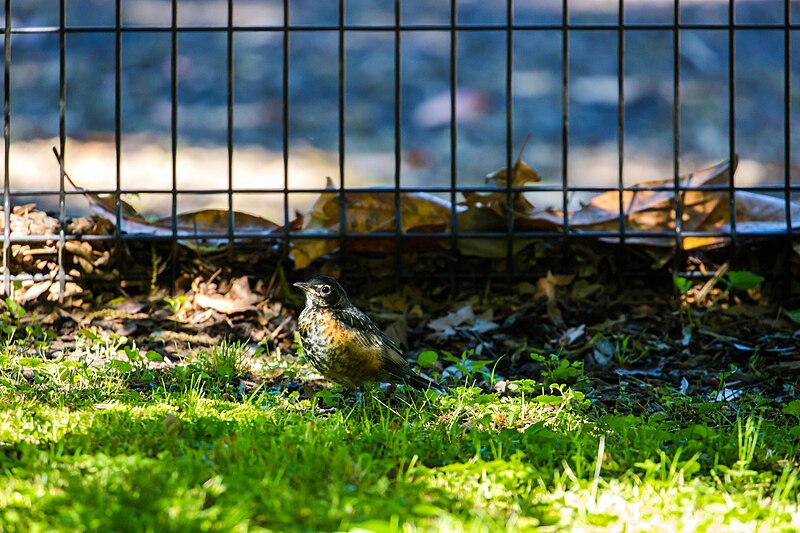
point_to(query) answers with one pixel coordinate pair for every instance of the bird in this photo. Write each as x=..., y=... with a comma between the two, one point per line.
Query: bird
x=343, y=343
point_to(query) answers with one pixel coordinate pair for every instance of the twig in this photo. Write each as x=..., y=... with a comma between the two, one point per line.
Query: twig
x=274, y=333
x=721, y=271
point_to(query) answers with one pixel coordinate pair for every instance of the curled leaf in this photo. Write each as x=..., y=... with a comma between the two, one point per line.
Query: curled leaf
x=366, y=212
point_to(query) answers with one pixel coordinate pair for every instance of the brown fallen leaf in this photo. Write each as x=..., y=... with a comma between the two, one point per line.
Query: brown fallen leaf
x=483, y=212
x=238, y=299
x=205, y=221
x=366, y=212
x=200, y=222
x=463, y=318
x=34, y=291
x=480, y=219
x=584, y=289
x=701, y=211
x=398, y=331
x=546, y=287
x=498, y=201
x=643, y=210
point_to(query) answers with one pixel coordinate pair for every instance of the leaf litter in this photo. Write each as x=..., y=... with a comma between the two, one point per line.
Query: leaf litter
x=638, y=336
x=701, y=197
x=635, y=339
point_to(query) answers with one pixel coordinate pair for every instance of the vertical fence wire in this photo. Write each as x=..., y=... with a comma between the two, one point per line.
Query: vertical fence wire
x=453, y=134
x=174, y=137
x=621, y=217
x=342, y=88
x=118, y=132
x=732, y=116
x=229, y=132
x=621, y=123
x=676, y=133
x=509, y=139
x=565, y=114
x=7, y=153
x=285, y=129
x=398, y=214
x=787, y=120
x=787, y=139
x=62, y=140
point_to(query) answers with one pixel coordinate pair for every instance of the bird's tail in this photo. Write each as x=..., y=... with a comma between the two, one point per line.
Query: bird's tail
x=421, y=382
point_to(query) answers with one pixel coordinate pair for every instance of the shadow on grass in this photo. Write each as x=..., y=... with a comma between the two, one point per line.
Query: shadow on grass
x=186, y=449
x=219, y=465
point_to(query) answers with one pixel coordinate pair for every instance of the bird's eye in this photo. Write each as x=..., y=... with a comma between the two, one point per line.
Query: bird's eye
x=325, y=290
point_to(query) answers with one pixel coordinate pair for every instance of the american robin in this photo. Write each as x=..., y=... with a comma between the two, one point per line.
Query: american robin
x=344, y=345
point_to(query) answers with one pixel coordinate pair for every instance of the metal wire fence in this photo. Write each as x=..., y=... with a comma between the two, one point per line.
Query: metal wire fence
x=398, y=30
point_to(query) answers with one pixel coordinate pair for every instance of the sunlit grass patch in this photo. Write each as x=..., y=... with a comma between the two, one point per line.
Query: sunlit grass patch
x=93, y=447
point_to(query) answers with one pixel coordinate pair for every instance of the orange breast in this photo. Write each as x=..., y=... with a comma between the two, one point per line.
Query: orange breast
x=349, y=361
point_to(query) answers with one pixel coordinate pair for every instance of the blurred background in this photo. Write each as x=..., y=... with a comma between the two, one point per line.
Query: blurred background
x=369, y=90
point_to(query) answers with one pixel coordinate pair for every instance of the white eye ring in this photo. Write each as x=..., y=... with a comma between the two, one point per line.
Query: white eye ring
x=326, y=289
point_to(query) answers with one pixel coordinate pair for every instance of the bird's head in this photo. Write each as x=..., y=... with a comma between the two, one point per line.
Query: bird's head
x=323, y=291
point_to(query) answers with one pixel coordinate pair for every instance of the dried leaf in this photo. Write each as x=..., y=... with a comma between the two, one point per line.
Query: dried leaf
x=653, y=371
x=445, y=326
x=701, y=211
x=499, y=200
x=546, y=287
x=201, y=222
x=192, y=223
x=727, y=395
x=584, y=289
x=366, y=212
x=643, y=210
x=482, y=325
x=572, y=335
x=369, y=212
x=129, y=306
x=464, y=317
x=475, y=218
x=488, y=212
x=603, y=351
x=398, y=331
x=760, y=213
x=238, y=299
x=35, y=290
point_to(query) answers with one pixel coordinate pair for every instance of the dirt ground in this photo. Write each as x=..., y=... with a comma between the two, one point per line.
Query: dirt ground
x=715, y=334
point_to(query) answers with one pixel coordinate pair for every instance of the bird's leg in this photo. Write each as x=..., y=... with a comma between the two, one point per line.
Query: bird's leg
x=332, y=397
x=390, y=390
x=359, y=394
x=353, y=396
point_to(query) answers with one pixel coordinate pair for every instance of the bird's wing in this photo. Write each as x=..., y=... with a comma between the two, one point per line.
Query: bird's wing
x=393, y=363
x=369, y=335
x=366, y=332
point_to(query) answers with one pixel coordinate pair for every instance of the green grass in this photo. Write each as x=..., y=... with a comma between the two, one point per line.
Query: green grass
x=91, y=448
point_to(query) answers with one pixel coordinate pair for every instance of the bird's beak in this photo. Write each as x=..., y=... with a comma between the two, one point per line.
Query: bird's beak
x=302, y=285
